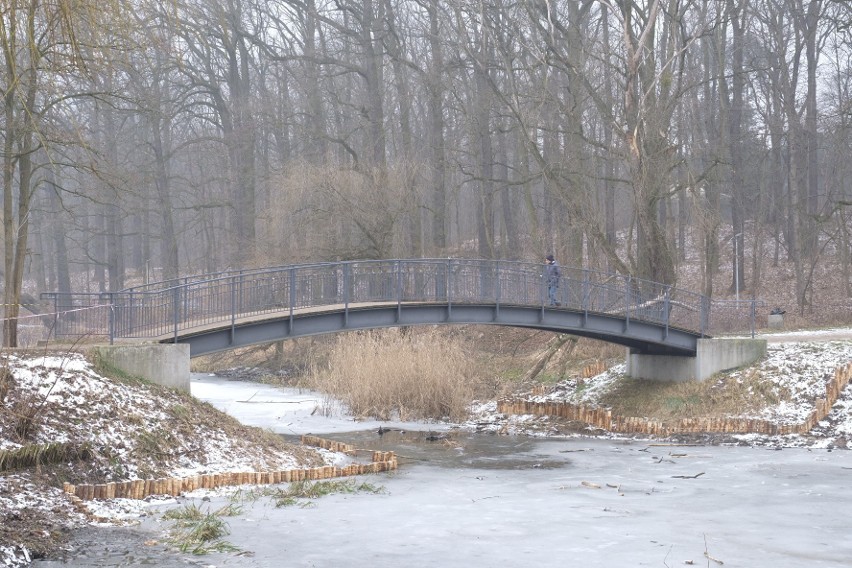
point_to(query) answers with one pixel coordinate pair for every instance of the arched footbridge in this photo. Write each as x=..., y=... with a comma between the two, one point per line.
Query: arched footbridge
x=216, y=312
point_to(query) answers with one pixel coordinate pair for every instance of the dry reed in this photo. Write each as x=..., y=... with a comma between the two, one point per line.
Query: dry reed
x=393, y=374
x=42, y=454
x=7, y=382
x=690, y=399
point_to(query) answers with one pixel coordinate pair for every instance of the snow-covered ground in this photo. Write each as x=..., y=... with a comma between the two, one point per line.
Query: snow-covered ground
x=797, y=366
x=78, y=405
x=65, y=401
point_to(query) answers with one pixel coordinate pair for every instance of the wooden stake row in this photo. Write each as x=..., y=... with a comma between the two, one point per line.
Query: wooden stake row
x=332, y=445
x=594, y=369
x=603, y=418
x=142, y=488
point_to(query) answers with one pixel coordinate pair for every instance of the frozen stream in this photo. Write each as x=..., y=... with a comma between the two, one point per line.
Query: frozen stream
x=486, y=500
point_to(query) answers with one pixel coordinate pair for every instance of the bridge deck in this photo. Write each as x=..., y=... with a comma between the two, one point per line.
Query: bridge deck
x=221, y=311
x=283, y=324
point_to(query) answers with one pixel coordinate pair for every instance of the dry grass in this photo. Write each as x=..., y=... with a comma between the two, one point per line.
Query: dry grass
x=41, y=454
x=299, y=491
x=200, y=532
x=160, y=447
x=427, y=372
x=593, y=350
x=724, y=396
x=398, y=374
x=7, y=382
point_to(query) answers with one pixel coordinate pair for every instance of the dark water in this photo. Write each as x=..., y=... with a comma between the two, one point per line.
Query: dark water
x=453, y=449
x=120, y=546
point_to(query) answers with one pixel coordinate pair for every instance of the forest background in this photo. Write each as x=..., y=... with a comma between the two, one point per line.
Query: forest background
x=146, y=140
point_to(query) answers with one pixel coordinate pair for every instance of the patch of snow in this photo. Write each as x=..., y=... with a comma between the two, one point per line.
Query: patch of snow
x=81, y=406
x=797, y=371
x=14, y=556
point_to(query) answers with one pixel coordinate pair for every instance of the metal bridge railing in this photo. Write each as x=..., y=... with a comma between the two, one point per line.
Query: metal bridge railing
x=162, y=309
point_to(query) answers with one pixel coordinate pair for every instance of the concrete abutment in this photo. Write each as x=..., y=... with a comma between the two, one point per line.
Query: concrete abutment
x=713, y=355
x=162, y=364
x=168, y=364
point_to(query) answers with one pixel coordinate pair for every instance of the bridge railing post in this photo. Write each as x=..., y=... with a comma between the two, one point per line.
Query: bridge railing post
x=111, y=323
x=55, y=315
x=449, y=287
x=397, y=266
x=347, y=278
x=753, y=316
x=175, y=311
x=241, y=293
x=292, y=296
x=131, y=316
x=234, y=301
x=498, y=283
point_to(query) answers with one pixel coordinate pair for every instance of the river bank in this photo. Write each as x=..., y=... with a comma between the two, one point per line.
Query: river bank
x=464, y=499
x=87, y=408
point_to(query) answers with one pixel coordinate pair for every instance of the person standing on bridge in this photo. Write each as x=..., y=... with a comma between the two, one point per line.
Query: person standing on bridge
x=552, y=276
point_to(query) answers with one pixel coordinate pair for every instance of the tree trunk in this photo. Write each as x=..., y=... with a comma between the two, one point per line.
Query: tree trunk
x=811, y=134
x=510, y=243
x=57, y=234
x=406, y=159
x=111, y=210
x=435, y=101
x=484, y=201
x=736, y=149
x=168, y=238
x=317, y=143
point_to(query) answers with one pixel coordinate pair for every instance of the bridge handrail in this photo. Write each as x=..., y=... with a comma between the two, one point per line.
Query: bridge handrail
x=170, y=307
x=186, y=280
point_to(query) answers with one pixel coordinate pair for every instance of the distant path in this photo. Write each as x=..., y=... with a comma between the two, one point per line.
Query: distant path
x=805, y=336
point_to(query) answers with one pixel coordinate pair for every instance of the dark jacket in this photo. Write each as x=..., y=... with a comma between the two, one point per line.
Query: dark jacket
x=553, y=273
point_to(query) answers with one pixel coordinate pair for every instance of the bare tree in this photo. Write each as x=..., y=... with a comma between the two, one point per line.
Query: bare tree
x=42, y=55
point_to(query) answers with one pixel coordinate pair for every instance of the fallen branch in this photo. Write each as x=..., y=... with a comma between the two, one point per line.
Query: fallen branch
x=688, y=476
x=484, y=498
x=276, y=401
x=553, y=346
x=707, y=554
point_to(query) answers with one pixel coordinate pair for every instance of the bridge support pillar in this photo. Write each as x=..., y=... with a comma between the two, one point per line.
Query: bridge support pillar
x=713, y=355
x=166, y=365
